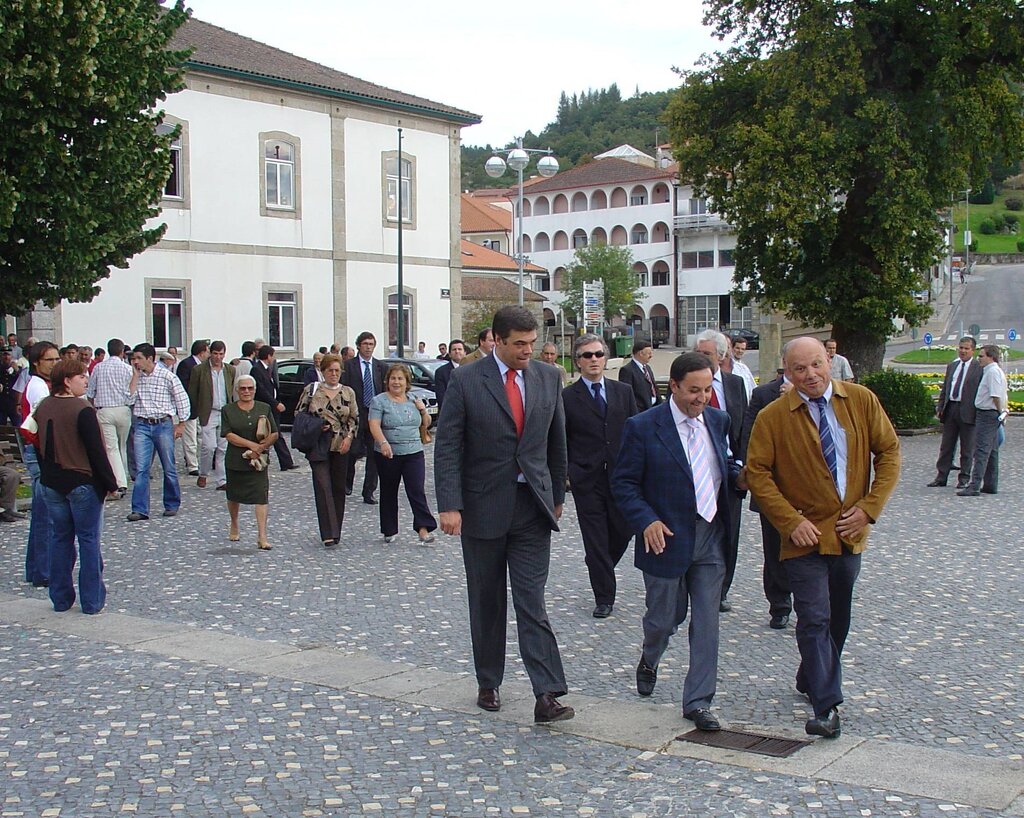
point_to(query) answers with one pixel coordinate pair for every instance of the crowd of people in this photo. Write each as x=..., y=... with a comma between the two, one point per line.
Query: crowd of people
x=815, y=451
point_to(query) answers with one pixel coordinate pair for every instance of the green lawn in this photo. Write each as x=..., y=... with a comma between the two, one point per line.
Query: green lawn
x=987, y=244
x=940, y=356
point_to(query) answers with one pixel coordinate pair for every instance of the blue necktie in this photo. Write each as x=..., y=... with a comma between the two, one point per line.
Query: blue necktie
x=367, y=384
x=602, y=405
x=828, y=444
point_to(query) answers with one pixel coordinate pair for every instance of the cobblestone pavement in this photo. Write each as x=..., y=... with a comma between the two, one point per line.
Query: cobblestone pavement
x=87, y=727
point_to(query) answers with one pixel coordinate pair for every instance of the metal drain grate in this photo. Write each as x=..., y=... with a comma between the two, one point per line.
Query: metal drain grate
x=747, y=742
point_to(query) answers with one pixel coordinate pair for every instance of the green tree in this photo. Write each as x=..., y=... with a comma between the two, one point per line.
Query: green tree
x=613, y=266
x=82, y=167
x=831, y=136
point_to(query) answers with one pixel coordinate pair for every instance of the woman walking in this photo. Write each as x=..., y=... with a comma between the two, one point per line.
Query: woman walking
x=399, y=426
x=76, y=478
x=335, y=405
x=249, y=428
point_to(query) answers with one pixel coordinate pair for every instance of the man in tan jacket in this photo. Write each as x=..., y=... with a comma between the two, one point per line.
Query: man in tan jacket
x=809, y=464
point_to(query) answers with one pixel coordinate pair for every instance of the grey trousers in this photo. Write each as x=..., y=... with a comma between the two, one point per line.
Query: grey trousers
x=953, y=429
x=985, y=471
x=700, y=588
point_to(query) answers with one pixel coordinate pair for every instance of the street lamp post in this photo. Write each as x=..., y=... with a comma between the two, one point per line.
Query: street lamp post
x=967, y=234
x=518, y=158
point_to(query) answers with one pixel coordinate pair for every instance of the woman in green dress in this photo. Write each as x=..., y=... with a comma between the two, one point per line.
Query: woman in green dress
x=251, y=432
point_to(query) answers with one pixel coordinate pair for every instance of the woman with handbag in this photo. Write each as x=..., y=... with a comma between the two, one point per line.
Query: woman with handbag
x=334, y=405
x=399, y=427
x=249, y=427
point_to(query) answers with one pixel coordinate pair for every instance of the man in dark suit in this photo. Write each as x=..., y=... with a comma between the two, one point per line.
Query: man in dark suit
x=638, y=375
x=443, y=375
x=266, y=391
x=957, y=412
x=672, y=484
x=500, y=480
x=729, y=394
x=773, y=574
x=313, y=374
x=364, y=375
x=190, y=435
x=596, y=409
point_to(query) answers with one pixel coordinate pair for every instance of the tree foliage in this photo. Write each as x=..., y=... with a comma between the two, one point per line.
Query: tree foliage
x=613, y=266
x=82, y=167
x=832, y=134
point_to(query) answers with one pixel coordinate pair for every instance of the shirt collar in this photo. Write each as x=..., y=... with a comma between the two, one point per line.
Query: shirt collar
x=827, y=395
x=680, y=418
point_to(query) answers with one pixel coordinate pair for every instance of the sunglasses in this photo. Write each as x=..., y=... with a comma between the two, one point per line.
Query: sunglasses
x=589, y=355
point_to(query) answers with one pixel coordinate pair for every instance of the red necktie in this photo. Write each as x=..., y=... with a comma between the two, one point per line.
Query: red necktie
x=714, y=399
x=650, y=381
x=515, y=401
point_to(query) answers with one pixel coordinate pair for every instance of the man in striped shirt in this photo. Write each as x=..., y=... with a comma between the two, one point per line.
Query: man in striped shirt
x=158, y=396
x=109, y=392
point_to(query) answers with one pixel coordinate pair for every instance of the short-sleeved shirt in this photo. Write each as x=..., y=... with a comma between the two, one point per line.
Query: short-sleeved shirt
x=400, y=423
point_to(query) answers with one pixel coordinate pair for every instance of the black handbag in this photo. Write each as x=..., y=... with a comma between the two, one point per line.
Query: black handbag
x=309, y=437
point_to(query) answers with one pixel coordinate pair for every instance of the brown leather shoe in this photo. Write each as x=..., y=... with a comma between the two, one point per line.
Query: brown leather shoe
x=201, y=482
x=488, y=699
x=549, y=709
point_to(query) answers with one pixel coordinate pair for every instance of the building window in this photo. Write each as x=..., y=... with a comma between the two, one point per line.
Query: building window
x=660, y=278
x=168, y=314
x=406, y=320
x=175, y=192
x=638, y=200
x=701, y=313
x=695, y=259
x=697, y=207
x=579, y=240
x=639, y=235
x=542, y=283
x=281, y=319
x=642, y=278
x=492, y=244
x=280, y=175
x=725, y=258
x=390, y=174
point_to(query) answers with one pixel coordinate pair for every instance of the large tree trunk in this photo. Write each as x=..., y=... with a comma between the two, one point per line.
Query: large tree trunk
x=864, y=351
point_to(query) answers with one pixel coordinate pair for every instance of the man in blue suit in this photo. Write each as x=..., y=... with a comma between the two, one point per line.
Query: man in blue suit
x=672, y=485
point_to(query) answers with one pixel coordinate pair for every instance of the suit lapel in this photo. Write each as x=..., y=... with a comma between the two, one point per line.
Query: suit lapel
x=583, y=394
x=493, y=384
x=669, y=436
x=532, y=378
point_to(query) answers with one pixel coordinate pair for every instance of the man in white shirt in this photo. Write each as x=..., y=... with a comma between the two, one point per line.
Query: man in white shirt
x=990, y=404
x=109, y=391
x=841, y=369
x=421, y=353
x=739, y=349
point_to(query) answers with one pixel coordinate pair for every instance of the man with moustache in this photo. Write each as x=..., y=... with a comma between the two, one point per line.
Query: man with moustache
x=958, y=414
x=638, y=375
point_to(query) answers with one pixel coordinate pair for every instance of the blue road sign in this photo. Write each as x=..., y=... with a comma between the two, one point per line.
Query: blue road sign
x=927, y=339
x=1011, y=335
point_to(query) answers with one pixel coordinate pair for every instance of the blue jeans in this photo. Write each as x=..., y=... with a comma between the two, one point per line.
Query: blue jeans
x=158, y=436
x=78, y=513
x=37, y=559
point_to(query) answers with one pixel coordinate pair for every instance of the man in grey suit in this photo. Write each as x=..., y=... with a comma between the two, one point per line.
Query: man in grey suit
x=500, y=480
x=957, y=413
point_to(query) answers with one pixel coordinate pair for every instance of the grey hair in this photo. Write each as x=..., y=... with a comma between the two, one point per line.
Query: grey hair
x=588, y=338
x=244, y=379
x=721, y=342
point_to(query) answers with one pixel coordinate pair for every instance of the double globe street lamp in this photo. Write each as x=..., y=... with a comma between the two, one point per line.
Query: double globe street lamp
x=518, y=158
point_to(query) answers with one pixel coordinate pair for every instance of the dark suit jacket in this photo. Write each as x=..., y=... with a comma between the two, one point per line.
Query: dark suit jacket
x=653, y=481
x=478, y=454
x=968, y=391
x=593, y=441
x=352, y=377
x=633, y=377
x=266, y=392
x=736, y=406
x=442, y=376
x=759, y=398
x=200, y=389
x=311, y=376
x=184, y=370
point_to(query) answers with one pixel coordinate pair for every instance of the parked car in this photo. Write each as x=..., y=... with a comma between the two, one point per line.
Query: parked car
x=292, y=371
x=748, y=335
x=422, y=370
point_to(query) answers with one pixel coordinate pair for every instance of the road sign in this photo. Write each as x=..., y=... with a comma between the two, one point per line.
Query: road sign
x=927, y=339
x=1011, y=335
x=974, y=330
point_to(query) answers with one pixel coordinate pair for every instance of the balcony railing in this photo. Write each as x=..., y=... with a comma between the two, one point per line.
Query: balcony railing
x=698, y=221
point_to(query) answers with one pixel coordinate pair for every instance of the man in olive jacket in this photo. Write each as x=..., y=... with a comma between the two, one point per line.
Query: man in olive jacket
x=210, y=388
x=809, y=464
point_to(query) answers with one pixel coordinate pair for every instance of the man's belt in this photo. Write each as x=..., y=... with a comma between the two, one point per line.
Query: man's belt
x=154, y=421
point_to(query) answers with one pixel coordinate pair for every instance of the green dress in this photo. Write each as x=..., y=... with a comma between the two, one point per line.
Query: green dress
x=245, y=485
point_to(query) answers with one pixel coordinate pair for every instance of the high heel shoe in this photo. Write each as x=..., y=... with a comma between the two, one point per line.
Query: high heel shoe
x=233, y=533
x=264, y=545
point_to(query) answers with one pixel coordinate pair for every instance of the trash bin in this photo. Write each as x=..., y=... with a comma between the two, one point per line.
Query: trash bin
x=623, y=346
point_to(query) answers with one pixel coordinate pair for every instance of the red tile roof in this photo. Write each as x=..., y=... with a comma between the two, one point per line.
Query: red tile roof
x=495, y=288
x=479, y=216
x=601, y=172
x=478, y=257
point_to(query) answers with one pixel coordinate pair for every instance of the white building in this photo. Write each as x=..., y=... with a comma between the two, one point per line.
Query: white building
x=281, y=211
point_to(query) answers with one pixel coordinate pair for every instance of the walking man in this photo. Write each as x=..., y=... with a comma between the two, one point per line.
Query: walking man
x=110, y=392
x=638, y=375
x=209, y=390
x=958, y=415
x=364, y=375
x=821, y=463
x=500, y=480
x=190, y=431
x=266, y=391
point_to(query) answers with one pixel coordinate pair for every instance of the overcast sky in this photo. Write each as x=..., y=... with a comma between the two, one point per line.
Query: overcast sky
x=507, y=62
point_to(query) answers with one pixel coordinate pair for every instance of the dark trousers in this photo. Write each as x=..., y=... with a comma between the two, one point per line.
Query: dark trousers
x=284, y=454
x=954, y=429
x=523, y=554
x=329, y=493
x=822, y=597
x=364, y=442
x=411, y=470
x=605, y=537
x=773, y=575
x=9, y=412
x=732, y=545
x=985, y=469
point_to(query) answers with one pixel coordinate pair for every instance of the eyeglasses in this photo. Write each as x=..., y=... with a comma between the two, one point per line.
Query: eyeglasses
x=589, y=355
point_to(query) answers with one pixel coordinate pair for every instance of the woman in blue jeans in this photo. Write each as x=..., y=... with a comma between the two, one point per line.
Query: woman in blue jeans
x=42, y=357
x=76, y=477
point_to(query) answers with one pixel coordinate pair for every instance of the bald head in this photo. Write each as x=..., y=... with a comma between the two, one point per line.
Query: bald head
x=807, y=366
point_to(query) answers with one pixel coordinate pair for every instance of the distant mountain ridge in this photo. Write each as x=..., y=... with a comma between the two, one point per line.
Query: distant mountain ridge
x=585, y=125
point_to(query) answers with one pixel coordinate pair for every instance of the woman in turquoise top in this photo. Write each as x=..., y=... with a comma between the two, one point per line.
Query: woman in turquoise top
x=398, y=424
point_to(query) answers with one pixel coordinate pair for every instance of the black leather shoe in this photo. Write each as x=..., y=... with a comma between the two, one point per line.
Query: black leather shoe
x=170, y=512
x=703, y=719
x=778, y=622
x=370, y=501
x=12, y=516
x=826, y=726
x=968, y=492
x=348, y=492
x=134, y=517
x=194, y=473
x=988, y=491
x=646, y=678
x=937, y=484
x=487, y=698
x=549, y=709
x=602, y=611
x=724, y=606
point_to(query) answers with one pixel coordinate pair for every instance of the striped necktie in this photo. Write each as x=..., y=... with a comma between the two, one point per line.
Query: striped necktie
x=368, y=392
x=703, y=483
x=828, y=443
